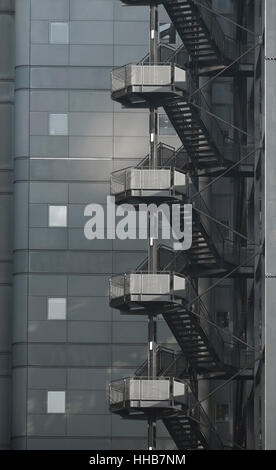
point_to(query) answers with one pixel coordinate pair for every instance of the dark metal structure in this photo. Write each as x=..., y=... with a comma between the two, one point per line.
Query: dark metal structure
x=173, y=284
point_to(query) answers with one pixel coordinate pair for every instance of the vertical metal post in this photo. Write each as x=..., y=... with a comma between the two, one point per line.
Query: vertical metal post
x=152, y=248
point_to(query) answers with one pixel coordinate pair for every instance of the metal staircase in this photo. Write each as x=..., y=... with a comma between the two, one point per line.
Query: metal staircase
x=201, y=343
x=165, y=283
x=193, y=430
x=200, y=31
x=175, y=89
x=169, y=363
x=201, y=135
x=186, y=432
x=194, y=342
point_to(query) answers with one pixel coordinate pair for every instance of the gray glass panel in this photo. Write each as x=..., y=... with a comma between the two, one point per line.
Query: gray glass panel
x=86, y=55
x=49, y=101
x=89, y=332
x=87, y=10
x=88, y=379
x=53, y=54
x=47, y=378
x=88, y=402
x=95, y=425
x=43, y=425
x=46, y=331
x=91, y=32
x=51, y=9
x=90, y=101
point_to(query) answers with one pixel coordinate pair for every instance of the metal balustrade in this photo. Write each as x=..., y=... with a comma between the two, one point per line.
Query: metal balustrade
x=169, y=363
x=169, y=399
x=175, y=89
x=141, y=393
x=136, y=85
x=137, y=185
x=138, y=292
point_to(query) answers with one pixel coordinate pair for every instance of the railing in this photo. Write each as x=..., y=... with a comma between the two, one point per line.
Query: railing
x=168, y=363
x=167, y=74
x=169, y=391
x=165, y=157
x=157, y=179
x=167, y=260
x=144, y=284
x=161, y=75
x=169, y=54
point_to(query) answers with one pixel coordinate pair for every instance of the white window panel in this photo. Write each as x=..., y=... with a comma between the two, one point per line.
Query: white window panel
x=56, y=308
x=55, y=402
x=59, y=33
x=57, y=216
x=58, y=124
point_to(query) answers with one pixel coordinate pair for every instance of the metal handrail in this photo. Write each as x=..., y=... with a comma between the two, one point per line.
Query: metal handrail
x=192, y=407
x=161, y=147
x=120, y=75
x=121, y=387
x=162, y=369
x=172, y=57
x=120, y=179
x=119, y=283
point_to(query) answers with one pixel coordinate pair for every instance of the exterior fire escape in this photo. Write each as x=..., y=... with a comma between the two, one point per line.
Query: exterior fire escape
x=165, y=386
